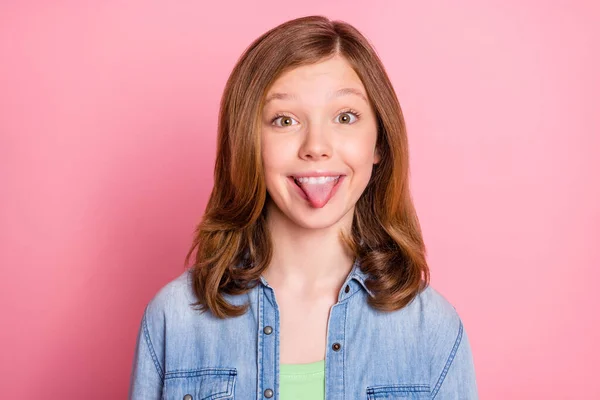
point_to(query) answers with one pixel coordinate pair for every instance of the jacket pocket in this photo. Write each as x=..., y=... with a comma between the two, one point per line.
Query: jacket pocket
x=201, y=384
x=394, y=392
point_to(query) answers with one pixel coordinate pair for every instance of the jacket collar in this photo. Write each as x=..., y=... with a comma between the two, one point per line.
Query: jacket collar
x=357, y=274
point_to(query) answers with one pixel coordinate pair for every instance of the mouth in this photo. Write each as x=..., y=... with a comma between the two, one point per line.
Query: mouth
x=315, y=180
x=316, y=190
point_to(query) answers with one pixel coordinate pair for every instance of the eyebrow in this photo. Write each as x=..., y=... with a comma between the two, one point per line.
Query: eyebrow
x=336, y=94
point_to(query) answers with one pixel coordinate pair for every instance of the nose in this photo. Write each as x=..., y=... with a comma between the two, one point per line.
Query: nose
x=316, y=144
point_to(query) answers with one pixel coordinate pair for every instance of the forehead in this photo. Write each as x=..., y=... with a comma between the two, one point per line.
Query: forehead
x=330, y=74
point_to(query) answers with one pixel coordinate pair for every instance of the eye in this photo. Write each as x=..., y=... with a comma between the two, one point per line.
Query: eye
x=347, y=117
x=283, y=121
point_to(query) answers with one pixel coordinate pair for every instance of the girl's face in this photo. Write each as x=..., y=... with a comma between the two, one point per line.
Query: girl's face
x=318, y=143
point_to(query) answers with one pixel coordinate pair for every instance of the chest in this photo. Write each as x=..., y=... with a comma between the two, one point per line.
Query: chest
x=367, y=355
x=303, y=330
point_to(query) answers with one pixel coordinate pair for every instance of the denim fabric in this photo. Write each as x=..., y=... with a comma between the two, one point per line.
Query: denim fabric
x=419, y=352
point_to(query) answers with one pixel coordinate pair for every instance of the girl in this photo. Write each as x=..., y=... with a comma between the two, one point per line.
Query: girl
x=310, y=279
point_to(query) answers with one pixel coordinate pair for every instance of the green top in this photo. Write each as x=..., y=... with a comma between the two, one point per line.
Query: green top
x=302, y=381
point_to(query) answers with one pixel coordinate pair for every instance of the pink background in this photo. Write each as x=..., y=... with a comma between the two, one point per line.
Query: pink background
x=107, y=140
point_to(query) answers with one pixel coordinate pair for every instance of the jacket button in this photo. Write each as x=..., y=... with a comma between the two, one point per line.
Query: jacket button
x=268, y=393
x=268, y=330
x=188, y=397
x=336, y=347
x=347, y=289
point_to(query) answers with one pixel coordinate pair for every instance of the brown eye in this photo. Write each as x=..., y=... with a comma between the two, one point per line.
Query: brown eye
x=346, y=118
x=284, y=121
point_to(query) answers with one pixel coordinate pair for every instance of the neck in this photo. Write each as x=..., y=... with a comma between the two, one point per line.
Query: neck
x=304, y=258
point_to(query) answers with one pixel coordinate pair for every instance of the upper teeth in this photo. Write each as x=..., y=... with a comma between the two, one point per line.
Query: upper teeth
x=317, y=179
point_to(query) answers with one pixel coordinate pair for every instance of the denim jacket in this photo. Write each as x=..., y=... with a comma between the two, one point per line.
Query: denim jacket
x=418, y=352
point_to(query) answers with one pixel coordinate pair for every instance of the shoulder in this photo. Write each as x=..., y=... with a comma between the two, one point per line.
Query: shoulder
x=431, y=320
x=170, y=308
x=426, y=320
x=435, y=310
x=176, y=294
x=447, y=341
x=439, y=320
x=428, y=313
x=449, y=350
x=173, y=309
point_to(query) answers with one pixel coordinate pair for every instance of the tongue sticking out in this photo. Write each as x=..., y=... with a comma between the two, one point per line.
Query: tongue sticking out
x=318, y=194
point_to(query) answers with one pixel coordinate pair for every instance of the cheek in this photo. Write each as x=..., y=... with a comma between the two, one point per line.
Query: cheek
x=275, y=154
x=359, y=152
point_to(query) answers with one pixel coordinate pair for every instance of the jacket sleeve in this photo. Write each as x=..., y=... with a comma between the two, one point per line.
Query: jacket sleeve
x=454, y=371
x=147, y=373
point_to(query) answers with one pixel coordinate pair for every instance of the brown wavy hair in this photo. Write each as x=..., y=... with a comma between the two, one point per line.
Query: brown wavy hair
x=232, y=243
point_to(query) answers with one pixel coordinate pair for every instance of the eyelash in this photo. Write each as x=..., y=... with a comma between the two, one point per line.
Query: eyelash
x=348, y=111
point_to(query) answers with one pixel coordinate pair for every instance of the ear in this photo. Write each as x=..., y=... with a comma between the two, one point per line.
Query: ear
x=376, y=156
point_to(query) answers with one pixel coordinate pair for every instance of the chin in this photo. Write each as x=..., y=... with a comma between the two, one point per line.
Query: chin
x=324, y=219
x=315, y=223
